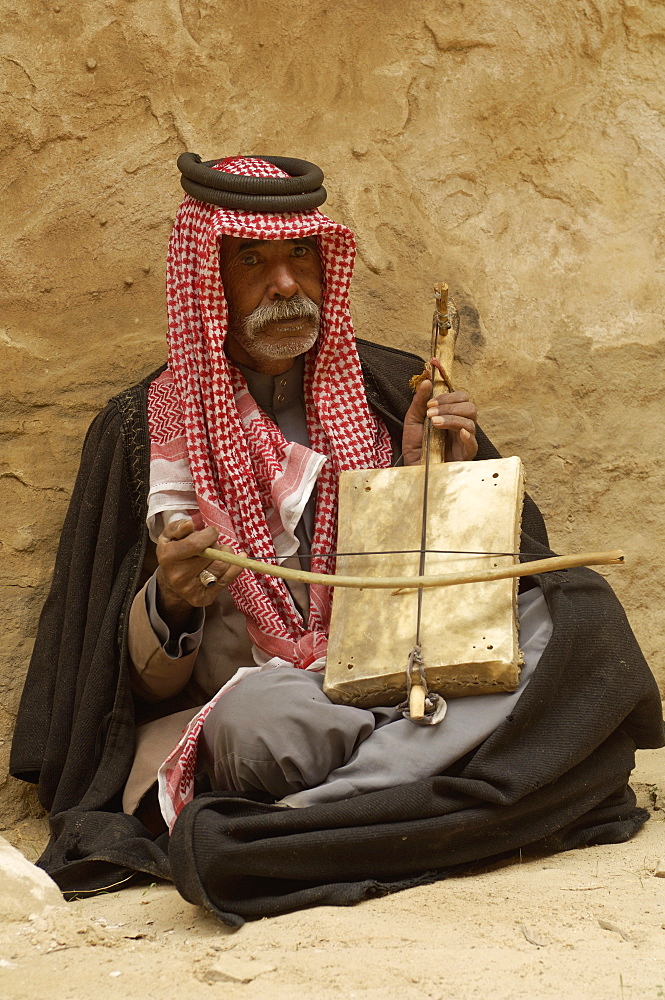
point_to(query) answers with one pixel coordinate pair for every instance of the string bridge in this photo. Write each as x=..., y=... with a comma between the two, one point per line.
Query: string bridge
x=420, y=705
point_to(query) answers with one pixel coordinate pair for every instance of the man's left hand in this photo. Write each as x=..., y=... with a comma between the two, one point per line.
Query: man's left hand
x=454, y=412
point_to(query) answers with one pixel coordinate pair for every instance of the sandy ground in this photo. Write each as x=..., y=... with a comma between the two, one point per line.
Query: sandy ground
x=587, y=924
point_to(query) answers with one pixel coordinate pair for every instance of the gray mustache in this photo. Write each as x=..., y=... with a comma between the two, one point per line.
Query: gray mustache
x=297, y=307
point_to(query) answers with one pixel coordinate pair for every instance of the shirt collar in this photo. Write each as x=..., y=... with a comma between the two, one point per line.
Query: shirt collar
x=275, y=392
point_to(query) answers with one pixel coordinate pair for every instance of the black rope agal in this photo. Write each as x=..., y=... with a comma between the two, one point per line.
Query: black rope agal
x=301, y=191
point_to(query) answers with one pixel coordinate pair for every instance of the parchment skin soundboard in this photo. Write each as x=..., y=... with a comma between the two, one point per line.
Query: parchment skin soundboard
x=469, y=632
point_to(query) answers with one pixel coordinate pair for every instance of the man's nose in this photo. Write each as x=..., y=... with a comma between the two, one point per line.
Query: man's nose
x=282, y=282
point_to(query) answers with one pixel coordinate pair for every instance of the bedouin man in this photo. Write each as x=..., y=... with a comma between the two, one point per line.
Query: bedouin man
x=239, y=442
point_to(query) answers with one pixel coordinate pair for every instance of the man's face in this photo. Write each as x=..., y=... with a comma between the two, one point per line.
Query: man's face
x=273, y=291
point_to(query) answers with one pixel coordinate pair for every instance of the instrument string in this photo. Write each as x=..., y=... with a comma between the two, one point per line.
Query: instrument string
x=437, y=322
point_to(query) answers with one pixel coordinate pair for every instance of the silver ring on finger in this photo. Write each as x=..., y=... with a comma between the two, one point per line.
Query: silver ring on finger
x=207, y=578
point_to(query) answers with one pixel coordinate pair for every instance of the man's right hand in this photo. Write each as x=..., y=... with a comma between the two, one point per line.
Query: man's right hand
x=179, y=588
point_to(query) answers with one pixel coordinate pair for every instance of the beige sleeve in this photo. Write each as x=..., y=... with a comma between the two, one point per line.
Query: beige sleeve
x=154, y=675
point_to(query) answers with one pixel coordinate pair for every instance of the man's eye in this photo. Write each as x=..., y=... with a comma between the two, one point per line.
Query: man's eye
x=300, y=251
x=249, y=258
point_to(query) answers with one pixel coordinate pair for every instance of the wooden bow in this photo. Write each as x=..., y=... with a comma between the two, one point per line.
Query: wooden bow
x=547, y=565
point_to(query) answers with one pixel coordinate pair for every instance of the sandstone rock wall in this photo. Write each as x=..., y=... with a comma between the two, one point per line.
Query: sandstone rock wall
x=513, y=148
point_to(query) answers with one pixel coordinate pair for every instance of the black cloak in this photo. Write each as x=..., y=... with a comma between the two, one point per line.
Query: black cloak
x=553, y=776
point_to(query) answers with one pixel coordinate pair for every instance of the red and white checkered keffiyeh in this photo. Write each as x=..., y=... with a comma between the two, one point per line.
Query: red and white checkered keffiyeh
x=212, y=449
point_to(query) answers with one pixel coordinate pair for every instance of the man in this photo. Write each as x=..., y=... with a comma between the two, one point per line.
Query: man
x=273, y=291
x=265, y=400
